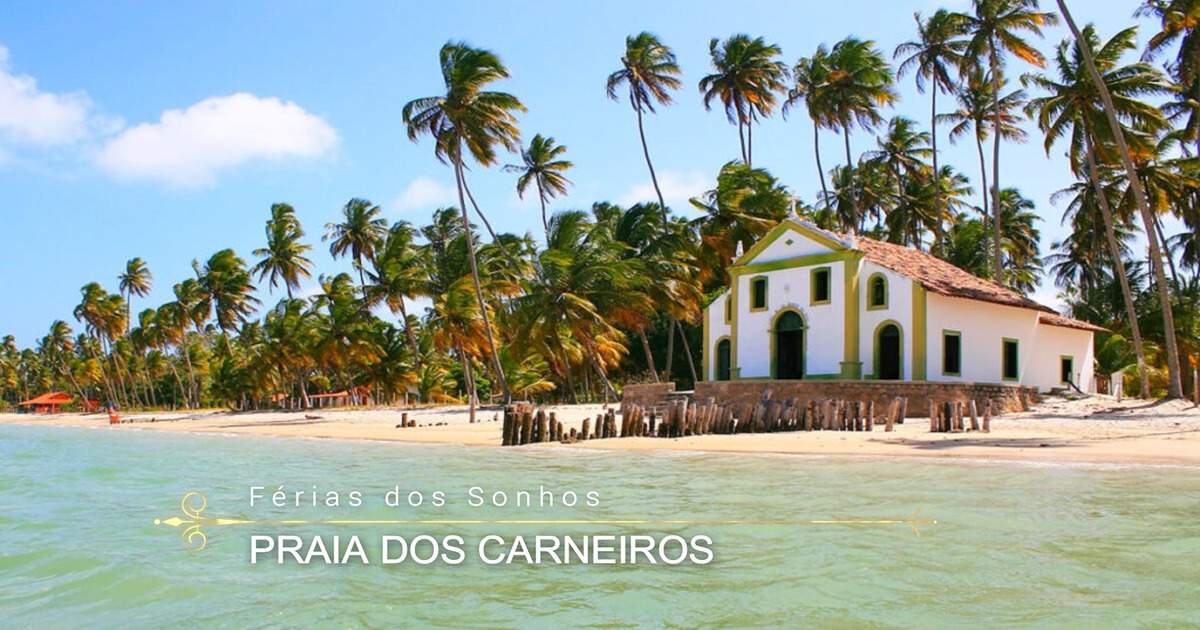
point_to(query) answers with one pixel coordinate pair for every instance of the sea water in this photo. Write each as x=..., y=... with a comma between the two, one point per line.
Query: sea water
x=1013, y=544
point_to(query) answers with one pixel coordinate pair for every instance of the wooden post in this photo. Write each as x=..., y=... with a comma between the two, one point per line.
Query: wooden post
x=870, y=415
x=891, y=416
x=974, y=415
x=1196, y=386
x=526, y=427
x=933, y=417
x=903, y=411
x=987, y=416
x=505, y=431
x=585, y=430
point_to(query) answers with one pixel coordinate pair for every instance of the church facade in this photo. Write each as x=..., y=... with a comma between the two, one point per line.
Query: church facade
x=807, y=303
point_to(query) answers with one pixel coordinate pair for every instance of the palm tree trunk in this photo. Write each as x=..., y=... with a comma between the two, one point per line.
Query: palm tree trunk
x=470, y=376
x=193, y=394
x=670, y=348
x=1114, y=250
x=854, y=218
x=408, y=334
x=609, y=391
x=542, y=198
x=687, y=351
x=820, y=169
x=937, y=179
x=1162, y=237
x=649, y=355
x=1175, y=382
x=646, y=153
x=750, y=144
x=483, y=309
x=742, y=140
x=495, y=239
x=997, y=263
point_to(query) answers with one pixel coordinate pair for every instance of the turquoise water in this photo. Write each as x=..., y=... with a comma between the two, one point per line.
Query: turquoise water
x=1014, y=544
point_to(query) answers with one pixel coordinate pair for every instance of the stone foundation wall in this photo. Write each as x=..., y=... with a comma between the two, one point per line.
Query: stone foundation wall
x=646, y=394
x=748, y=393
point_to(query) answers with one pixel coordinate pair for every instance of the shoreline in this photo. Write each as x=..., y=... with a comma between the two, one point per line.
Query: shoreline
x=1096, y=430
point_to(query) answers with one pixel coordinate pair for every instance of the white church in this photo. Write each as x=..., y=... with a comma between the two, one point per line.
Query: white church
x=807, y=303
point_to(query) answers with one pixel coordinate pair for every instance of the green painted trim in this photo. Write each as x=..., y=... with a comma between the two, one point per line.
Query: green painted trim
x=728, y=315
x=1003, y=342
x=716, y=373
x=783, y=227
x=920, y=309
x=946, y=332
x=1071, y=359
x=812, y=286
x=875, y=353
x=824, y=377
x=870, y=286
x=704, y=359
x=766, y=294
x=803, y=340
x=735, y=371
x=790, y=263
x=851, y=354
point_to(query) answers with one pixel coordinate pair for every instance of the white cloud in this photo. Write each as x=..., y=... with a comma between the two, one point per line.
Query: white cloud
x=677, y=188
x=425, y=193
x=44, y=119
x=187, y=148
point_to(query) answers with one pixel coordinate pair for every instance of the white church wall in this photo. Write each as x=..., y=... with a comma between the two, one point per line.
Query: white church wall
x=718, y=328
x=899, y=310
x=1054, y=342
x=983, y=326
x=791, y=289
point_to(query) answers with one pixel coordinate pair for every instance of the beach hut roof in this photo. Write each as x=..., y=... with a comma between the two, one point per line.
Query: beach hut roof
x=50, y=398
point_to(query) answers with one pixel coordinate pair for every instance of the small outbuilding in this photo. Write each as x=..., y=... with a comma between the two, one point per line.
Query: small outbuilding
x=50, y=402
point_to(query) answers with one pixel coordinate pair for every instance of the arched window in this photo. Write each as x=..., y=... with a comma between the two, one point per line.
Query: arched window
x=877, y=292
x=723, y=360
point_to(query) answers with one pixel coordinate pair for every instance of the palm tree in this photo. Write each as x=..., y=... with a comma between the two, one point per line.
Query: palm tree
x=649, y=68
x=1020, y=241
x=136, y=280
x=1072, y=108
x=1179, y=19
x=400, y=273
x=1174, y=376
x=225, y=290
x=902, y=152
x=283, y=258
x=542, y=165
x=746, y=203
x=359, y=234
x=809, y=76
x=859, y=83
x=747, y=76
x=995, y=28
x=469, y=116
x=975, y=106
x=931, y=57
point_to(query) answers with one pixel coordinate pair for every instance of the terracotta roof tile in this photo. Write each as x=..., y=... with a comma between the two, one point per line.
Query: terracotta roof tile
x=941, y=277
x=1067, y=322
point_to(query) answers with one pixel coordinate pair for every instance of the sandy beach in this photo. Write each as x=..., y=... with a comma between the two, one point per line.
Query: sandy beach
x=1095, y=430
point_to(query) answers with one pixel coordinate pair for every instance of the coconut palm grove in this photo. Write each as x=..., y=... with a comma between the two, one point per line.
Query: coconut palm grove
x=450, y=310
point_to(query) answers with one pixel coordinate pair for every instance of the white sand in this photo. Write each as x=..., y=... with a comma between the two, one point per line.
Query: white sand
x=1092, y=430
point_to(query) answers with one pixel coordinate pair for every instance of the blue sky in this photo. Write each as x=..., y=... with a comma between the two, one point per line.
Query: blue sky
x=121, y=135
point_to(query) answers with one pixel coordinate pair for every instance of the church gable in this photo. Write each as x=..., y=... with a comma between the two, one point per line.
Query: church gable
x=791, y=239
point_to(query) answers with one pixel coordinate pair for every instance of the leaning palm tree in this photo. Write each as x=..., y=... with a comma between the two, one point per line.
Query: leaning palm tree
x=649, y=68
x=931, y=57
x=995, y=28
x=809, y=76
x=358, y=234
x=470, y=117
x=135, y=280
x=1179, y=21
x=1072, y=109
x=283, y=258
x=746, y=77
x=859, y=83
x=225, y=290
x=542, y=165
x=1174, y=376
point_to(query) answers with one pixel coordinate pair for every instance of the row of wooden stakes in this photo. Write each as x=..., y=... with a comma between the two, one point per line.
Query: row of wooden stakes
x=952, y=416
